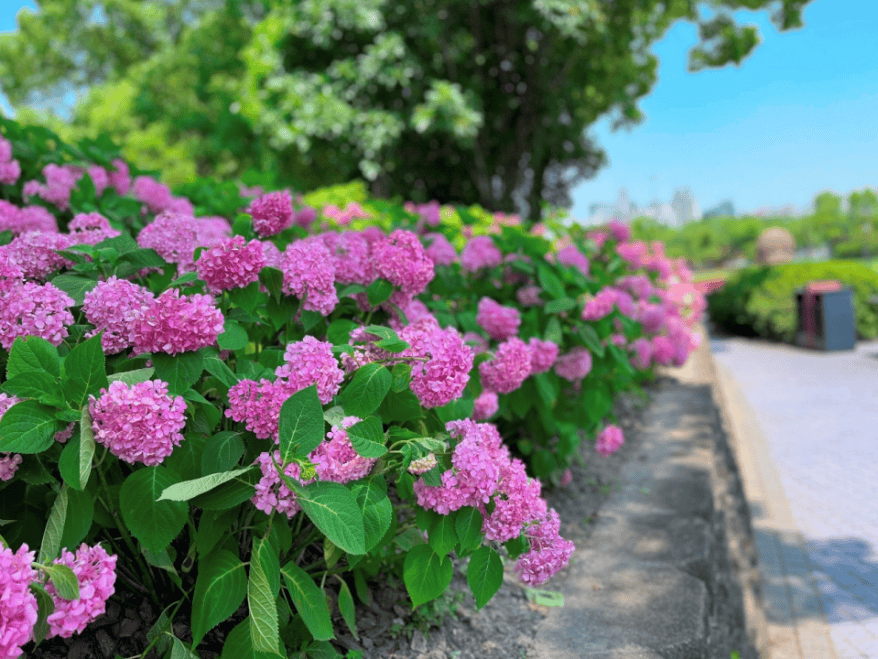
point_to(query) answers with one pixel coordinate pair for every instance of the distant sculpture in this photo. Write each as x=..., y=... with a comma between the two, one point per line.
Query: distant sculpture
x=775, y=245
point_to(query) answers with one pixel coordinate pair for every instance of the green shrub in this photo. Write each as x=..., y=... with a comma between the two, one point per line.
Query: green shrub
x=762, y=300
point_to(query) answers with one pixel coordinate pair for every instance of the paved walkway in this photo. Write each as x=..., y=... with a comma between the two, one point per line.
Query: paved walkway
x=810, y=430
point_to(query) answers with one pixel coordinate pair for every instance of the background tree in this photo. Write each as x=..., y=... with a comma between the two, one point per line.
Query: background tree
x=475, y=101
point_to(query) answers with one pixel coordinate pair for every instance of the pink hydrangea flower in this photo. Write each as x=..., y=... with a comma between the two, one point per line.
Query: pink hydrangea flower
x=476, y=342
x=35, y=310
x=400, y=259
x=597, y=237
x=60, y=181
x=34, y=252
x=351, y=254
x=175, y=323
x=310, y=361
x=549, y=552
x=498, y=321
x=652, y=317
x=305, y=217
x=509, y=368
x=485, y=406
x=231, y=264
x=120, y=177
x=22, y=220
x=272, y=213
x=156, y=196
x=642, y=356
x=414, y=311
x=529, y=296
x=336, y=460
x=95, y=572
x=517, y=501
x=572, y=257
x=141, y=423
x=543, y=355
x=429, y=212
x=639, y=285
x=273, y=256
x=574, y=365
x=272, y=494
x=8, y=461
x=662, y=350
x=90, y=229
x=635, y=253
x=10, y=169
x=257, y=405
x=601, y=305
x=440, y=250
x=18, y=605
x=10, y=274
x=175, y=236
x=112, y=306
x=480, y=252
x=619, y=231
x=610, y=440
x=309, y=274
x=63, y=435
x=100, y=178
x=566, y=479
x=444, y=376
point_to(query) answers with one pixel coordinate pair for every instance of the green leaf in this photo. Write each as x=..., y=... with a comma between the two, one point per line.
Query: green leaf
x=562, y=304
x=400, y=407
x=309, y=601
x=339, y=331
x=35, y=384
x=51, y=544
x=442, y=537
x=84, y=371
x=468, y=524
x=367, y=438
x=45, y=608
x=366, y=391
x=65, y=581
x=132, y=377
x=484, y=574
x=239, y=644
x=546, y=388
x=222, y=453
x=80, y=513
x=32, y=353
x=220, y=589
x=75, y=287
x=188, y=490
x=263, y=604
x=549, y=281
x=229, y=494
x=591, y=339
x=379, y=291
x=212, y=526
x=459, y=408
x=154, y=523
x=333, y=509
x=234, y=337
x=402, y=376
x=180, y=651
x=273, y=280
x=553, y=331
x=426, y=574
x=218, y=368
x=179, y=371
x=185, y=461
x=300, y=429
x=27, y=427
x=377, y=510
x=187, y=278
x=346, y=607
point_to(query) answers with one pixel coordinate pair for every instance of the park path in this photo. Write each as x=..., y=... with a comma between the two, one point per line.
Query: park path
x=808, y=443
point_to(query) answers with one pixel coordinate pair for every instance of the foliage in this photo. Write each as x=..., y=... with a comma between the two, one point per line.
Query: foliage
x=486, y=102
x=762, y=301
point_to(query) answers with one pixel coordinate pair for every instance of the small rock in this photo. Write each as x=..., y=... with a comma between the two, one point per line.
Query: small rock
x=80, y=650
x=367, y=642
x=145, y=612
x=487, y=646
x=127, y=627
x=419, y=641
x=105, y=643
x=433, y=654
x=399, y=610
x=398, y=621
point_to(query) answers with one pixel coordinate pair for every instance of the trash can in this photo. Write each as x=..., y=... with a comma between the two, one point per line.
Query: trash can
x=826, y=316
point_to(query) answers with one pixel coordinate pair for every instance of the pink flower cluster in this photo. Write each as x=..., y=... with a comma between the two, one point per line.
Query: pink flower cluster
x=642, y=356
x=542, y=355
x=429, y=212
x=10, y=169
x=90, y=229
x=8, y=461
x=29, y=218
x=157, y=197
x=509, y=368
x=173, y=323
x=352, y=257
x=141, y=423
x=60, y=181
x=34, y=252
x=18, y=605
x=619, y=231
x=272, y=494
x=336, y=460
x=175, y=236
x=498, y=321
x=574, y=365
x=344, y=217
x=480, y=252
x=400, y=259
x=445, y=373
x=601, y=305
x=485, y=406
x=309, y=274
x=529, y=296
x=307, y=362
x=610, y=440
x=549, y=552
x=272, y=213
x=440, y=250
x=31, y=309
x=571, y=256
x=112, y=307
x=95, y=572
x=230, y=264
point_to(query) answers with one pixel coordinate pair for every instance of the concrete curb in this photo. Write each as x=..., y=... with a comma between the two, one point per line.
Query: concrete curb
x=659, y=576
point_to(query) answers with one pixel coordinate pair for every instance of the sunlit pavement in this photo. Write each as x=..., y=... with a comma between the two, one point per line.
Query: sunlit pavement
x=818, y=414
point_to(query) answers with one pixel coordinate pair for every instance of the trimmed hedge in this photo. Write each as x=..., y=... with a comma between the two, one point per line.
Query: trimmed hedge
x=761, y=301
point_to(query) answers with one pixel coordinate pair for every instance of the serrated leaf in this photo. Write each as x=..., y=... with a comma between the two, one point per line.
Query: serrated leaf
x=591, y=339
x=154, y=523
x=45, y=608
x=133, y=377
x=442, y=536
x=84, y=371
x=262, y=602
x=188, y=490
x=223, y=451
x=426, y=574
x=80, y=513
x=218, y=368
x=64, y=580
x=366, y=391
x=229, y=494
x=377, y=509
x=549, y=281
x=27, y=427
x=402, y=376
x=334, y=415
x=273, y=280
x=300, y=429
x=239, y=644
x=179, y=371
x=38, y=385
x=367, y=438
x=51, y=544
x=379, y=291
x=334, y=510
x=180, y=651
x=339, y=331
x=346, y=607
x=219, y=590
x=309, y=601
x=559, y=305
x=234, y=337
x=75, y=287
x=468, y=524
x=33, y=353
x=484, y=574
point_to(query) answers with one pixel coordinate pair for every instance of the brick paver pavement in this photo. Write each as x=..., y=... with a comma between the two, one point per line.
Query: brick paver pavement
x=818, y=413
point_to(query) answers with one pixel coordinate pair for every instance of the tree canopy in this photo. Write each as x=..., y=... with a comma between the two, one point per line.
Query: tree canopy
x=474, y=101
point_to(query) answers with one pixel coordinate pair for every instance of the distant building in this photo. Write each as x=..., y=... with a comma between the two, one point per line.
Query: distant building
x=788, y=210
x=685, y=206
x=723, y=209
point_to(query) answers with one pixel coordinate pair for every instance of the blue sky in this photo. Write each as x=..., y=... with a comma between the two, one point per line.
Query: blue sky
x=799, y=116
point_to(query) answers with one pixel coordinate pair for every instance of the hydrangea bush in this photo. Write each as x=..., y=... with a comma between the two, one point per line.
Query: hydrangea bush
x=236, y=404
